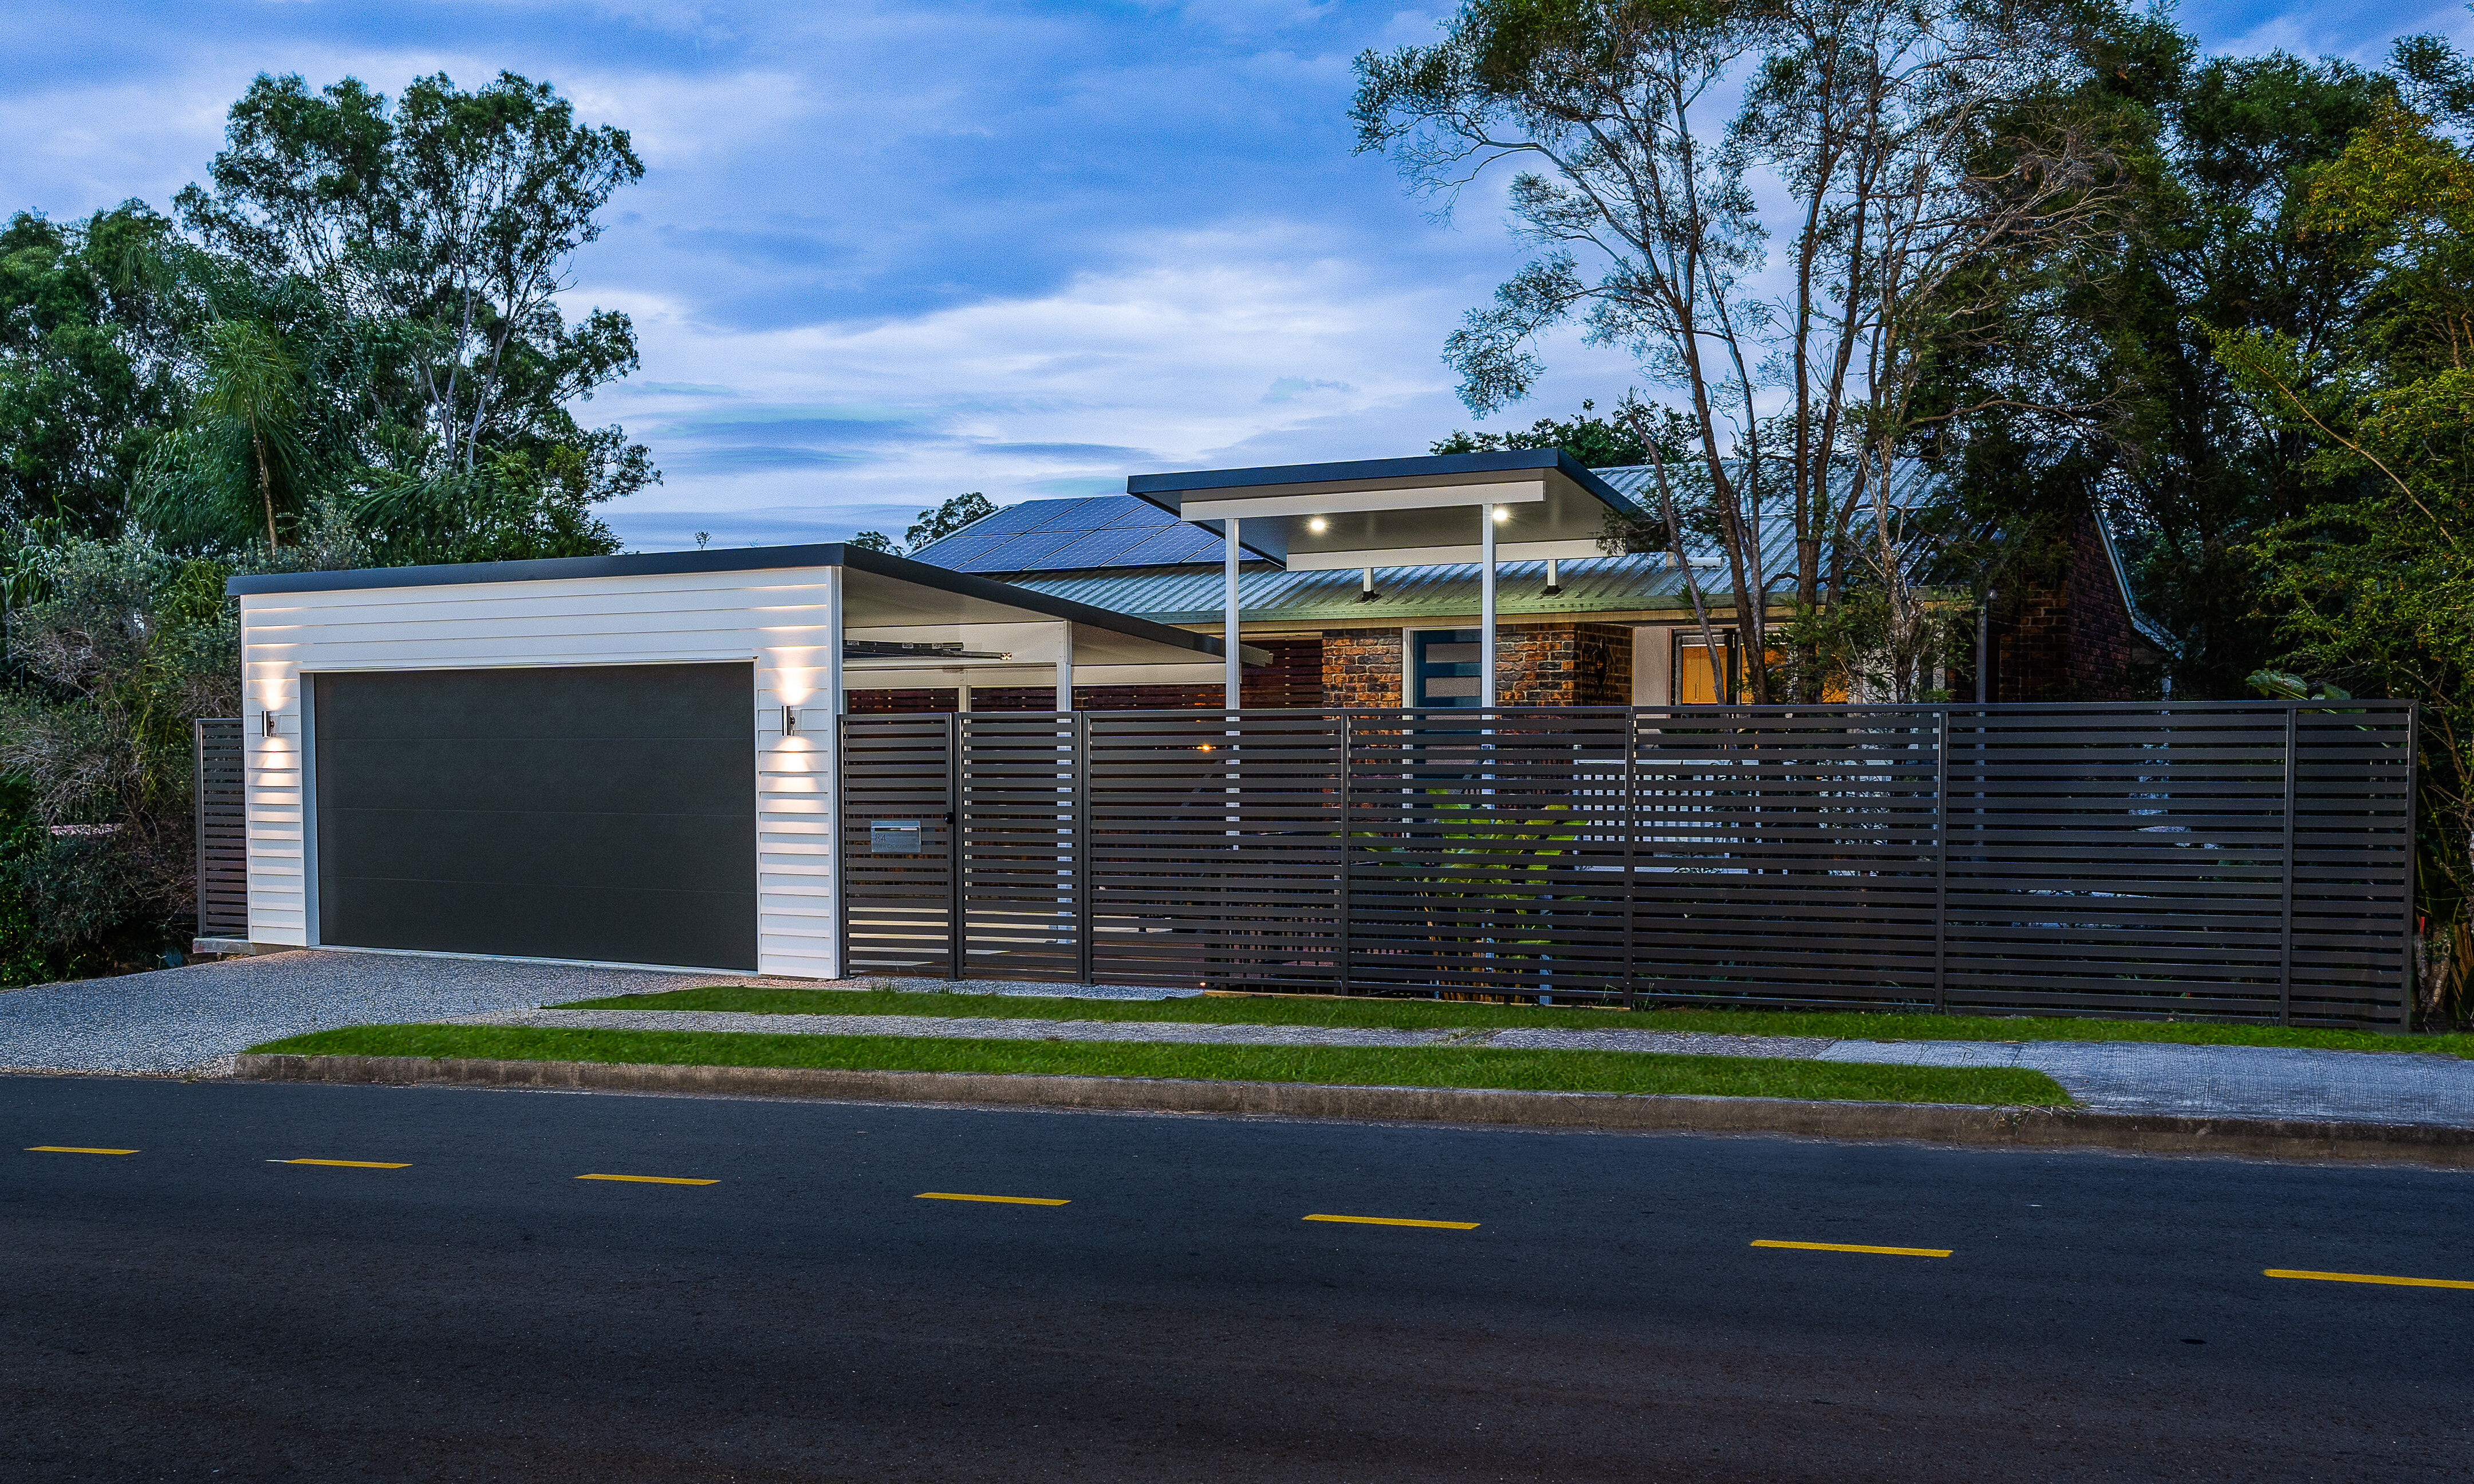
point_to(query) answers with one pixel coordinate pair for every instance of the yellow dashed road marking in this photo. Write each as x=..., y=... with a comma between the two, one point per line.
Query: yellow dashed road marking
x=1887, y=1252
x=2369, y=1278
x=999, y=1200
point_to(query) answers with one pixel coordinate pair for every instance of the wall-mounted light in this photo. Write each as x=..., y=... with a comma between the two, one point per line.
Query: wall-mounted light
x=1317, y=525
x=790, y=720
x=269, y=722
x=1502, y=513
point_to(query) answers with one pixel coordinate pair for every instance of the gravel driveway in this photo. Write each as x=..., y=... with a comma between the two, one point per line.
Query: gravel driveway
x=188, y=1018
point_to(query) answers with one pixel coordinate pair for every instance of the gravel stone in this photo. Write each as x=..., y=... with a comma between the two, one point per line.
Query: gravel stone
x=185, y=1019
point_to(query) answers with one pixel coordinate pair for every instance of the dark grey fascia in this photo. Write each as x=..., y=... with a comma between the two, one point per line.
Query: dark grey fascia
x=1149, y=488
x=752, y=559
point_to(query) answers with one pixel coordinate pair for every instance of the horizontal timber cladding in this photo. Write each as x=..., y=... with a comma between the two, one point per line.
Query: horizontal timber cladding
x=2232, y=860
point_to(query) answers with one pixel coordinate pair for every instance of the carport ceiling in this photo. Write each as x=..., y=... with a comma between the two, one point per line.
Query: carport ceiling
x=1321, y=516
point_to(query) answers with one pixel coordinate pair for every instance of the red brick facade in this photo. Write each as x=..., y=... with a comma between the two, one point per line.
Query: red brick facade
x=1564, y=664
x=1568, y=663
x=1361, y=668
x=2071, y=640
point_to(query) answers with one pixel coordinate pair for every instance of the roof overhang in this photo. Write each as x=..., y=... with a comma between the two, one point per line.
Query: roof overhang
x=879, y=592
x=1422, y=512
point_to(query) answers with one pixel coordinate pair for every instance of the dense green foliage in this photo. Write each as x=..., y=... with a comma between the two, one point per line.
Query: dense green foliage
x=343, y=350
x=934, y=524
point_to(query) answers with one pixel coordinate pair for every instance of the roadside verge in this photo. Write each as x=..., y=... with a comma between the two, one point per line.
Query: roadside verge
x=2054, y=1128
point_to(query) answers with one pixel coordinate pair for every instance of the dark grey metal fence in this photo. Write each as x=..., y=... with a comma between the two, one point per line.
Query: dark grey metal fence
x=221, y=781
x=2226, y=859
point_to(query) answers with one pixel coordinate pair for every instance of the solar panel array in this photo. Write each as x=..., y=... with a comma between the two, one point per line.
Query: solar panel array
x=1059, y=536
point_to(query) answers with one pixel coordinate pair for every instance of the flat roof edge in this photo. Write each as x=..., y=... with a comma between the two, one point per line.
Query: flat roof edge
x=1148, y=488
x=654, y=564
x=753, y=559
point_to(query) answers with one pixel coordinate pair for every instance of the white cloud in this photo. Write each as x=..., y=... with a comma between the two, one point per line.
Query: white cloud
x=1161, y=364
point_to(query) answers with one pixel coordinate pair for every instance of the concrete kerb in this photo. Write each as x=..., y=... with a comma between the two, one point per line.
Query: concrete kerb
x=2023, y=1128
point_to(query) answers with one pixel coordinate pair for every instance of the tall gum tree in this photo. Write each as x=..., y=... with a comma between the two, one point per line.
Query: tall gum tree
x=1888, y=150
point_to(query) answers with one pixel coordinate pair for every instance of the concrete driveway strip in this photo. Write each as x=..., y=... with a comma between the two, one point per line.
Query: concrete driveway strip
x=965, y=1027
x=2279, y=1082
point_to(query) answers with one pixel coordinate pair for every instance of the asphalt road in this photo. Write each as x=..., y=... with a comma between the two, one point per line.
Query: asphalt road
x=194, y=1311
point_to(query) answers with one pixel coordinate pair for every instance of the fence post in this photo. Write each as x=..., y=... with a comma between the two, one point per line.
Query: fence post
x=1941, y=861
x=1080, y=725
x=1347, y=801
x=2285, y=914
x=1631, y=870
x=958, y=940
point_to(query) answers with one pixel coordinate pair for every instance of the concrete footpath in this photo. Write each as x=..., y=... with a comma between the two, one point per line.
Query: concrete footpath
x=2246, y=1081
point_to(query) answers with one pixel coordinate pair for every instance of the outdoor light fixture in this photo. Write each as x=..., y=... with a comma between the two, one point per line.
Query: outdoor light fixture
x=269, y=721
x=1317, y=525
x=1502, y=513
x=790, y=720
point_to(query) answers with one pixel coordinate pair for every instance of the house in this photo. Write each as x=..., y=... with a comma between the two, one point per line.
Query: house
x=1390, y=622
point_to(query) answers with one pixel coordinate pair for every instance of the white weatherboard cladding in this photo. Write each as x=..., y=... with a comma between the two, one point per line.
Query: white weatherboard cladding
x=782, y=620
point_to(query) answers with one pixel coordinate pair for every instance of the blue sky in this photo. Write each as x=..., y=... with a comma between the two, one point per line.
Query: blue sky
x=887, y=253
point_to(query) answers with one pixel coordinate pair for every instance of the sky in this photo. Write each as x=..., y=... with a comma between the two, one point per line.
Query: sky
x=884, y=253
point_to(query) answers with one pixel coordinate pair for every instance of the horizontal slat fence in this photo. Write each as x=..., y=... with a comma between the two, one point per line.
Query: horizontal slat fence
x=2233, y=860
x=221, y=783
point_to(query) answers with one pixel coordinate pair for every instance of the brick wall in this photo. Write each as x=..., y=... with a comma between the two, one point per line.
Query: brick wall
x=1361, y=667
x=1535, y=664
x=1564, y=664
x=2071, y=639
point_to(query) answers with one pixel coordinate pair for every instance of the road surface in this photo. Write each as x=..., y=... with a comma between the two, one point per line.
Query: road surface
x=465, y=1300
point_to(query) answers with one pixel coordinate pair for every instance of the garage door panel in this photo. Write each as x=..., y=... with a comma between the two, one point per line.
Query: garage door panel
x=554, y=702
x=626, y=927
x=549, y=846
x=581, y=775
x=601, y=812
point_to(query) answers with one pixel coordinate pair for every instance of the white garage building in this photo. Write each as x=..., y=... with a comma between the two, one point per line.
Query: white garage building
x=609, y=759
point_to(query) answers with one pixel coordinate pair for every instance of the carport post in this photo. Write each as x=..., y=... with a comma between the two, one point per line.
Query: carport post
x=1234, y=667
x=1486, y=605
x=1065, y=666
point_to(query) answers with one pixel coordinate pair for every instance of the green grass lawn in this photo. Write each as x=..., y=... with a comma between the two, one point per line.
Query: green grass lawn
x=1419, y=1014
x=1419, y=1067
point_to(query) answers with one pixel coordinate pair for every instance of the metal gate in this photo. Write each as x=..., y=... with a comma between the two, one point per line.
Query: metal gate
x=2217, y=859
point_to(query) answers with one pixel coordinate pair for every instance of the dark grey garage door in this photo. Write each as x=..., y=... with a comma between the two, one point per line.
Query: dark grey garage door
x=590, y=812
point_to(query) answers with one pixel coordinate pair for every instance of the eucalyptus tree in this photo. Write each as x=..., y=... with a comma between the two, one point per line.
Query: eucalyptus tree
x=451, y=219
x=1890, y=149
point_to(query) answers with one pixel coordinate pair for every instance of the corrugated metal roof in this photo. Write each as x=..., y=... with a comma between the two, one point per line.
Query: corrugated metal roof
x=1123, y=553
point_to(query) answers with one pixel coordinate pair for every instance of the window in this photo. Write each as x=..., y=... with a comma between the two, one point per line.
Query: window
x=1444, y=667
x=1693, y=682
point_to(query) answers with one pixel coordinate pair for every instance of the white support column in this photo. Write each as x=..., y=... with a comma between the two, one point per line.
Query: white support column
x=1065, y=665
x=963, y=695
x=833, y=697
x=1486, y=605
x=827, y=740
x=1229, y=624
